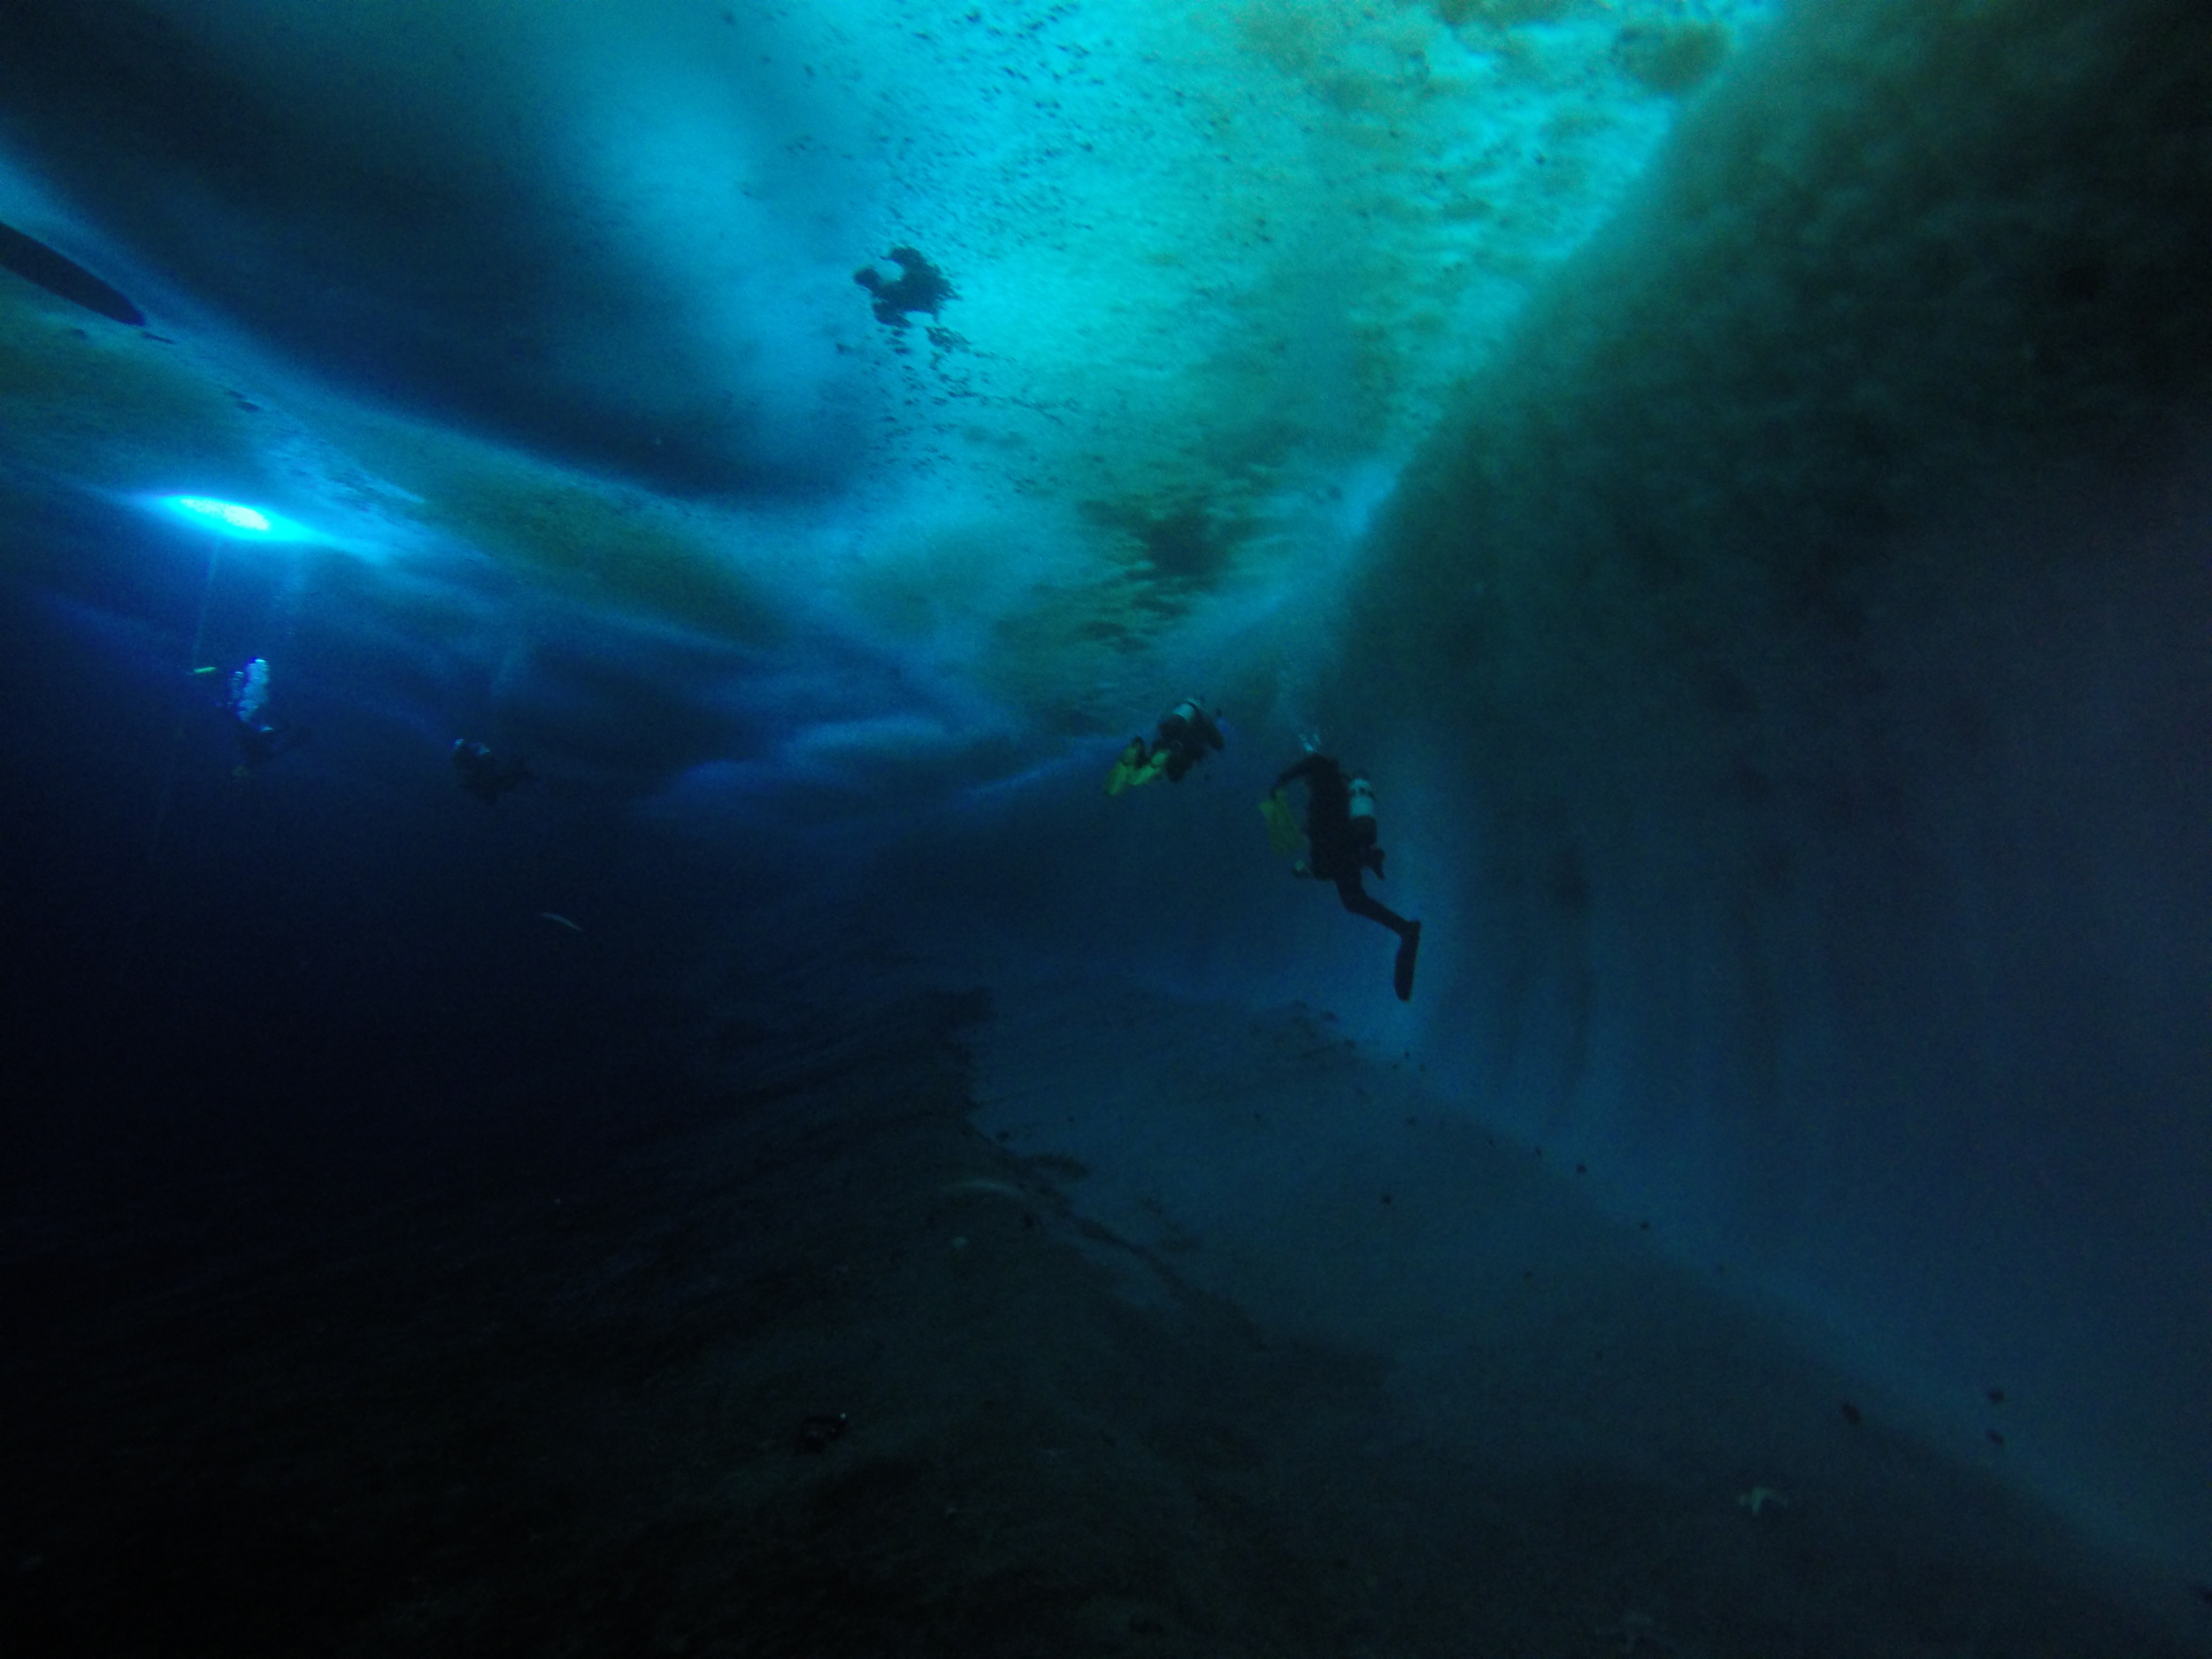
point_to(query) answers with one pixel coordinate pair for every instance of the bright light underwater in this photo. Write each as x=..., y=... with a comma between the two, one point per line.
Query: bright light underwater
x=229, y=516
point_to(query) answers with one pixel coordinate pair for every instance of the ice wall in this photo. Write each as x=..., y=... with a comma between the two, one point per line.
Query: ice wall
x=1801, y=646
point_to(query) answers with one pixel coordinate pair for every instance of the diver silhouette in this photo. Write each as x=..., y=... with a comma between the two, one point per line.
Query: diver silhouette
x=1341, y=841
x=1186, y=734
x=484, y=774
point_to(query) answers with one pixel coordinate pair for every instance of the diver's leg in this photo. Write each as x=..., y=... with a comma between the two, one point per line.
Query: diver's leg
x=1128, y=767
x=1361, y=902
x=1401, y=974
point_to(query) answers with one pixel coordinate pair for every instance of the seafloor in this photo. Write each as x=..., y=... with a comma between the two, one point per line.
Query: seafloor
x=797, y=1348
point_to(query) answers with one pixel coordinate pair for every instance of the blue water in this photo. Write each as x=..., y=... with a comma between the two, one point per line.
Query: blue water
x=1734, y=475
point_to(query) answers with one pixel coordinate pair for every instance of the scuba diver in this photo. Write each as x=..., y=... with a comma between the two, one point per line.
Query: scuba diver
x=1340, y=839
x=484, y=775
x=1186, y=733
x=259, y=741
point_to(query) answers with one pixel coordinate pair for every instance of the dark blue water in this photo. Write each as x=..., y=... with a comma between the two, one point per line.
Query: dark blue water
x=806, y=1171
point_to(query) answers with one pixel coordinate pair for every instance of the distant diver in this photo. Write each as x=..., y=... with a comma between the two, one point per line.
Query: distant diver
x=1186, y=734
x=1340, y=840
x=921, y=286
x=485, y=776
x=259, y=741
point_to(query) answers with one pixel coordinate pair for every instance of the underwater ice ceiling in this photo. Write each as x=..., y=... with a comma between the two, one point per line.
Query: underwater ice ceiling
x=1038, y=349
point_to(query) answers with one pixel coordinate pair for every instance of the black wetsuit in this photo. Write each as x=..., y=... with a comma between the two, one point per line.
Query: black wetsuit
x=260, y=742
x=1184, y=740
x=1341, y=846
x=484, y=775
x=1342, y=849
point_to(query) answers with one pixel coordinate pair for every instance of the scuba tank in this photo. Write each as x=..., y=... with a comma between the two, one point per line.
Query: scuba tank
x=1363, y=793
x=1360, y=811
x=248, y=691
x=1187, y=731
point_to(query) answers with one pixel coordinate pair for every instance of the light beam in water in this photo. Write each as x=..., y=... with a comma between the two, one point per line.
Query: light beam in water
x=227, y=515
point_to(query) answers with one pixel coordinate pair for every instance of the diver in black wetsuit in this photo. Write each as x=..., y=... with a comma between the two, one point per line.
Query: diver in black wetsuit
x=1186, y=734
x=484, y=775
x=259, y=743
x=1340, y=840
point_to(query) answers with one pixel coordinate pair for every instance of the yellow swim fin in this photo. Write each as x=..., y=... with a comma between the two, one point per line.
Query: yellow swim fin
x=1285, y=839
x=1128, y=769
